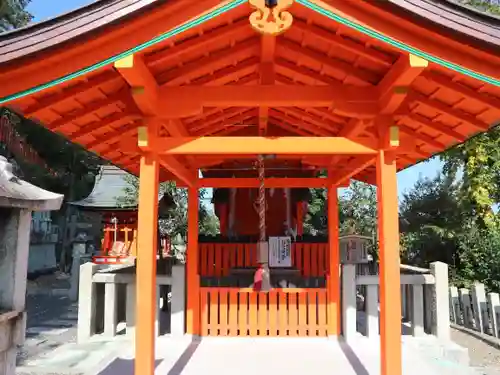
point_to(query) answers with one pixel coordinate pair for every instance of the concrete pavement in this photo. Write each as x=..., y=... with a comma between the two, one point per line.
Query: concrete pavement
x=52, y=320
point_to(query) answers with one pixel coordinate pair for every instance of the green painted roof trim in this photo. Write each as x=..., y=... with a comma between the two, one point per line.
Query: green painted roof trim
x=231, y=5
x=402, y=46
x=175, y=31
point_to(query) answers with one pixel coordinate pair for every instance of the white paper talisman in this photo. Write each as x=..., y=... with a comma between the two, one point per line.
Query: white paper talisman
x=280, y=252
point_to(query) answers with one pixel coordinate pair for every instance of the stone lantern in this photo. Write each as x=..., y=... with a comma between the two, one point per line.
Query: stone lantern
x=354, y=249
x=18, y=199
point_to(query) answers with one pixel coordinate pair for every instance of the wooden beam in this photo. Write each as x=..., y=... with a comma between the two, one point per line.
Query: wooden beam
x=124, y=131
x=311, y=128
x=456, y=113
x=364, y=77
x=403, y=128
x=224, y=128
x=293, y=129
x=176, y=128
x=112, y=121
x=212, y=62
x=352, y=169
x=240, y=72
x=253, y=146
x=87, y=84
x=308, y=116
x=344, y=43
x=272, y=182
x=267, y=49
x=87, y=109
x=353, y=128
x=442, y=80
x=209, y=38
x=349, y=100
x=388, y=132
x=170, y=163
x=403, y=73
x=233, y=116
x=145, y=91
x=437, y=126
x=395, y=86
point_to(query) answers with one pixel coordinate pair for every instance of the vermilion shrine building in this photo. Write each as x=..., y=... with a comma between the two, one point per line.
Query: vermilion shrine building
x=360, y=89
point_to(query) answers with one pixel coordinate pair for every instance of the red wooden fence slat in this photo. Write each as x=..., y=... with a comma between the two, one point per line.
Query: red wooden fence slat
x=281, y=312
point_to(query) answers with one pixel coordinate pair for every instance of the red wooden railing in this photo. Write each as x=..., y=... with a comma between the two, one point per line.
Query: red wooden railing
x=124, y=242
x=279, y=312
x=217, y=259
x=18, y=146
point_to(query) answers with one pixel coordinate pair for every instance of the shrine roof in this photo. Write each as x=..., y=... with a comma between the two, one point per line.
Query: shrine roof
x=60, y=72
x=17, y=193
x=110, y=190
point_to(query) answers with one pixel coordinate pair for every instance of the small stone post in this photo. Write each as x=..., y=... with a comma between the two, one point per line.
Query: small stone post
x=349, y=301
x=441, y=311
x=494, y=307
x=454, y=305
x=130, y=302
x=110, y=309
x=479, y=303
x=78, y=250
x=466, y=306
x=177, y=307
x=371, y=310
x=86, y=302
x=417, y=310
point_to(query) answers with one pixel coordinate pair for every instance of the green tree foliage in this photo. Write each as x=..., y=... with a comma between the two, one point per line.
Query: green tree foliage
x=357, y=211
x=430, y=219
x=75, y=167
x=13, y=14
x=484, y=5
x=479, y=252
x=478, y=161
x=176, y=223
x=437, y=224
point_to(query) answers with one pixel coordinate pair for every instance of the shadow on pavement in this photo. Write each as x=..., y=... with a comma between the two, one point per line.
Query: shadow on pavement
x=353, y=359
x=121, y=366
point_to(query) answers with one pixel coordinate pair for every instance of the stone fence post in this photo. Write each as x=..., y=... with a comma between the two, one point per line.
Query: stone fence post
x=177, y=306
x=441, y=302
x=86, y=302
x=349, y=301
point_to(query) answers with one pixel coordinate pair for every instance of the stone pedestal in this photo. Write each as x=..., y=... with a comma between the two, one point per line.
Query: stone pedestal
x=17, y=202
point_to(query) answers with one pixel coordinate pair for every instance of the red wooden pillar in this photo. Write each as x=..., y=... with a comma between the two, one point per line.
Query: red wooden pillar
x=300, y=218
x=390, y=291
x=192, y=273
x=146, y=266
x=223, y=216
x=333, y=278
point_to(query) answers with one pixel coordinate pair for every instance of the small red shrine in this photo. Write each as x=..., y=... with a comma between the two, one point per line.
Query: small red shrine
x=118, y=214
x=360, y=89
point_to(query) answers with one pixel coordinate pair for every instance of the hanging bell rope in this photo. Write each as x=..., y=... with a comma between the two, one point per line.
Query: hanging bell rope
x=262, y=280
x=262, y=198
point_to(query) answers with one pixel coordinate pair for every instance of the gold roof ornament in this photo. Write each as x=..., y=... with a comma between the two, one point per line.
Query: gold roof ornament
x=271, y=17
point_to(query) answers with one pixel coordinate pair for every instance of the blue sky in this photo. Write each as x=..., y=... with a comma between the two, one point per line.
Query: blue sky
x=43, y=9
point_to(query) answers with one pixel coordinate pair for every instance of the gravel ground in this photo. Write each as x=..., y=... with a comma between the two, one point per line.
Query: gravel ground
x=485, y=358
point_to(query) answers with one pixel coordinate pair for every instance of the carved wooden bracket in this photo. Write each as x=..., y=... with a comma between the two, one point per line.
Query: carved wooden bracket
x=271, y=20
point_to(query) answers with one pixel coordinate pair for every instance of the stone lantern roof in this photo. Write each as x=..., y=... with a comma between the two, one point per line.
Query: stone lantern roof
x=15, y=192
